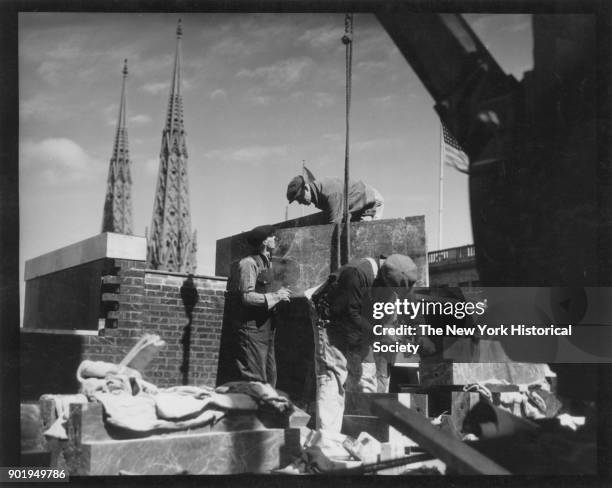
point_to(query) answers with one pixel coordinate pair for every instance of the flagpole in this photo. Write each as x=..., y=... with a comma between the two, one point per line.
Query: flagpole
x=441, y=190
x=345, y=242
x=303, y=174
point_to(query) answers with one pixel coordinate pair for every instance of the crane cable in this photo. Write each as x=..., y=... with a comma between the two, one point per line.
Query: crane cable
x=347, y=40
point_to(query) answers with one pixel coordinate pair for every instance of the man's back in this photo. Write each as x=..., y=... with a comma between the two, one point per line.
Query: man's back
x=328, y=196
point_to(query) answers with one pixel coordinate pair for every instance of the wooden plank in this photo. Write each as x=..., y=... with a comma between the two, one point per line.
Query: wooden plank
x=353, y=425
x=457, y=455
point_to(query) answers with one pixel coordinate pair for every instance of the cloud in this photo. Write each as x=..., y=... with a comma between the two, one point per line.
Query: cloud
x=110, y=114
x=279, y=75
x=255, y=97
x=254, y=155
x=43, y=107
x=140, y=119
x=372, y=66
x=382, y=101
x=323, y=100
x=321, y=37
x=57, y=160
x=231, y=47
x=50, y=71
x=488, y=24
x=69, y=49
x=334, y=137
x=375, y=144
x=218, y=94
x=518, y=27
x=155, y=88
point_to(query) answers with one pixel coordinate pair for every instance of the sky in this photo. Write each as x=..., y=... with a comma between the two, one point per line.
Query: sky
x=261, y=94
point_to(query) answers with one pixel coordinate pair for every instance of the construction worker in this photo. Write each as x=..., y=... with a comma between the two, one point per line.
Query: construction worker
x=343, y=353
x=247, y=345
x=327, y=194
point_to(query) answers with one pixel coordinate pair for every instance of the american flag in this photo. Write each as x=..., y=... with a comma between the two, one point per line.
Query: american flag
x=452, y=153
x=307, y=174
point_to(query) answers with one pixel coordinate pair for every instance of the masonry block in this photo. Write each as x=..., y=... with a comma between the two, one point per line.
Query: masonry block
x=304, y=258
x=307, y=254
x=453, y=373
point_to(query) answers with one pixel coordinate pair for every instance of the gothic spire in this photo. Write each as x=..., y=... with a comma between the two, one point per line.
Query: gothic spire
x=117, y=216
x=171, y=244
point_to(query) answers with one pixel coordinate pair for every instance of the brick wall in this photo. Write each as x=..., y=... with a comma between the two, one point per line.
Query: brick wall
x=192, y=344
x=134, y=302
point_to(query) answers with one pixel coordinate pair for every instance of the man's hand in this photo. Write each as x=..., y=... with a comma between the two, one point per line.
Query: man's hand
x=284, y=294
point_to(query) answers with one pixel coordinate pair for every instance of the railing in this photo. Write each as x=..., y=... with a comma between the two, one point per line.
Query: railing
x=452, y=255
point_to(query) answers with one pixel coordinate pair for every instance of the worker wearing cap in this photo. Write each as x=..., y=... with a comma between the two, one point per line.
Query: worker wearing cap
x=327, y=194
x=247, y=351
x=343, y=353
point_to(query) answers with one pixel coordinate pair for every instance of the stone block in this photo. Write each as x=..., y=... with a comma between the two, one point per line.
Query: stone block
x=361, y=403
x=32, y=439
x=250, y=451
x=238, y=443
x=106, y=245
x=451, y=373
x=307, y=254
x=304, y=258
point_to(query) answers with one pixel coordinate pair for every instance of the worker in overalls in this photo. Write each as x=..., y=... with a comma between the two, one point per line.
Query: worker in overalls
x=247, y=350
x=343, y=335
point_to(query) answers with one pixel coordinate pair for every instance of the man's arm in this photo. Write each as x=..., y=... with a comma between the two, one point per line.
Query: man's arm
x=354, y=291
x=248, y=279
x=334, y=206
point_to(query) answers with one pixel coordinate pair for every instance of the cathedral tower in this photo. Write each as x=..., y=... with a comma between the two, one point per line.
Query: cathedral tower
x=170, y=245
x=117, y=215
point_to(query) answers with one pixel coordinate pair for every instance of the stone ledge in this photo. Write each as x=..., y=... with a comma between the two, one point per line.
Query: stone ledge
x=106, y=245
x=82, y=332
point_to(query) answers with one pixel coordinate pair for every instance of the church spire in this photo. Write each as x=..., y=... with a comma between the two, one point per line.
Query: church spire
x=171, y=246
x=117, y=216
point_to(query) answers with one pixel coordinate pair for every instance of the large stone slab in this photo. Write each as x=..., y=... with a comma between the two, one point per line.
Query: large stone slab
x=239, y=443
x=312, y=249
x=106, y=245
x=304, y=258
x=63, y=287
x=254, y=451
x=451, y=373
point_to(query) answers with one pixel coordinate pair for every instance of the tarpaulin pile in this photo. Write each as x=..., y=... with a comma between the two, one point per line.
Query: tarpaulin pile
x=137, y=406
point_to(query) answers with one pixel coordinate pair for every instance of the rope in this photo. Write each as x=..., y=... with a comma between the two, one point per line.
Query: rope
x=347, y=40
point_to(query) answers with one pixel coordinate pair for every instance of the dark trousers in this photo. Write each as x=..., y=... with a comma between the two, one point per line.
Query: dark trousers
x=255, y=357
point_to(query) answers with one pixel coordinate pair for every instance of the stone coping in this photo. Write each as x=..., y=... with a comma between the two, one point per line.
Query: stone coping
x=195, y=275
x=79, y=332
x=105, y=245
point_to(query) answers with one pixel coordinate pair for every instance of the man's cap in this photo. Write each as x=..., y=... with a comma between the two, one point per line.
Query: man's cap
x=399, y=270
x=259, y=234
x=295, y=187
